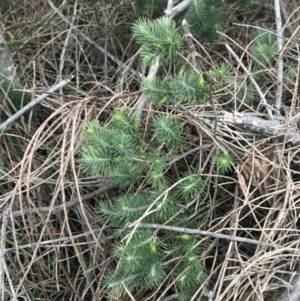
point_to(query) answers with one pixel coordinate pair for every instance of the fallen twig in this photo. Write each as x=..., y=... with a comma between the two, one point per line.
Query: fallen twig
x=143, y=99
x=33, y=103
x=268, y=127
x=271, y=128
x=280, y=58
x=191, y=45
x=211, y=234
x=286, y=19
x=171, y=11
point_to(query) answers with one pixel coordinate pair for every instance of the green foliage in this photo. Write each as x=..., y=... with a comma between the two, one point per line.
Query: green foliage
x=116, y=283
x=204, y=17
x=158, y=163
x=139, y=265
x=130, y=158
x=224, y=162
x=159, y=37
x=222, y=72
x=264, y=47
x=167, y=130
x=111, y=153
x=192, y=186
x=120, y=152
x=132, y=207
x=143, y=264
x=188, y=87
x=207, y=17
x=125, y=121
x=158, y=91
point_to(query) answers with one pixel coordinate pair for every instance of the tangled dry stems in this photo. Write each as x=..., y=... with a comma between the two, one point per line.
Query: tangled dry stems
x=42, y=249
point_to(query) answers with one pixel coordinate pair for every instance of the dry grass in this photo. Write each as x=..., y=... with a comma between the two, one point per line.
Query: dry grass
x=63, y=255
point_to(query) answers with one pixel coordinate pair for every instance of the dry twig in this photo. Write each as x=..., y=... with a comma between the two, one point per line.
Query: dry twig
x=211, y=234
x=280, y=58
x=33, y=103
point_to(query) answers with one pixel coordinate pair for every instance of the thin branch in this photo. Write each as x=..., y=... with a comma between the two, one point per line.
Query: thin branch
x=63, y=52
x=211, y=234
x=280, y=59
x=33, y=103
x=57, y=208
x=263, y=99
x=168, y=11
x=177, y=9
x=286, y=18
x=143, y=99
x=191, y=45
